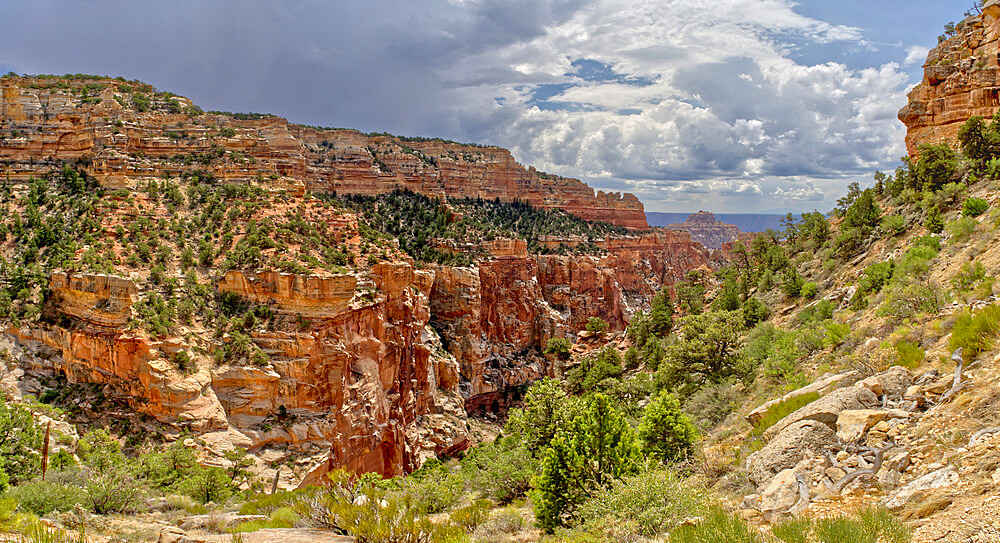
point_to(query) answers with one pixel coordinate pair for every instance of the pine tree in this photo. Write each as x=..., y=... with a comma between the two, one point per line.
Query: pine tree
x=666, y=433
x=605, y=442
x=661, y=313
x=557, y=490
x=599, y=448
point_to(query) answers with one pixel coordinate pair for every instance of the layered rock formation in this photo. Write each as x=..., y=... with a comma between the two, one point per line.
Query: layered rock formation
x=706, y=230
x=359, y=380
x=961, y=79
x=492, y=316
x=373, y=368
x=57, y=119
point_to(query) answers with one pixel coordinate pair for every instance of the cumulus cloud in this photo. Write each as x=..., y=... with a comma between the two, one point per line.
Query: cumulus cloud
x=687, y=103
x=915, y=55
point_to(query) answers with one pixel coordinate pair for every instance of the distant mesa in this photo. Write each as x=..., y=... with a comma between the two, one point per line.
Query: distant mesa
x=128, y=130
x=708, y=231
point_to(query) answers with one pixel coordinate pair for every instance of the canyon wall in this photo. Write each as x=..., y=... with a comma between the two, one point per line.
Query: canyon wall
x=494, y=318
x=961, y=79
x=356, y=387
x=375, y=368
x=57, y=119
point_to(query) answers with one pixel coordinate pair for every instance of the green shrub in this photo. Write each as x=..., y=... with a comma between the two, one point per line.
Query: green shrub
x=499, y=526
x=597, y=325
x=593, y=371
x=705, y=349
x=792, y=283
x=960, y=229
x=43, y=497
x=934, y=222
x=815, y=313
x=371, y=514
x=974, y=332
x=653, y=501
x=892, y=225
x=910, y=354
x=500, y=470
x=968, y=276
x=794, y=530
x=974, y=207
x=600, y=448
x=283, y=517
x=774, y=349
x=903, y=301
x=666, y=433
x=558, y=347
x=19, y=457
x=712, y=404
x=873, y=278
x=916, y=260
x=780, y=410
x=889, y=529
x=808, y=290
x=434, y=488
x=472, y=515
x=717, y=526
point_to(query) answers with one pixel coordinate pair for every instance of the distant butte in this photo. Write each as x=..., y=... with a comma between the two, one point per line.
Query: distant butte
x=708, y=231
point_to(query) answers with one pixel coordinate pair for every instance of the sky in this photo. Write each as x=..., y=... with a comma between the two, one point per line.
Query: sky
x=752, y=106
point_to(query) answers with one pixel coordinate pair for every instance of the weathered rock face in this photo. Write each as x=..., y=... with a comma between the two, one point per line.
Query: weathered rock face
x=49, y=122
x=788, y=448
x=706, y=230
x=495, y=318
x=360, y=381
x=372, y=369
x=961, y=79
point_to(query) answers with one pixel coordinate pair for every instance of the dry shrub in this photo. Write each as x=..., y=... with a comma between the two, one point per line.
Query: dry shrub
x=926, y=503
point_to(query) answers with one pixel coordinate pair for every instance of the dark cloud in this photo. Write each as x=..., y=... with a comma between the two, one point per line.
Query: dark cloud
x=675, y=101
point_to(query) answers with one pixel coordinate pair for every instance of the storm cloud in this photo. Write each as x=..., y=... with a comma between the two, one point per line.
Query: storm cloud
x=687, y=103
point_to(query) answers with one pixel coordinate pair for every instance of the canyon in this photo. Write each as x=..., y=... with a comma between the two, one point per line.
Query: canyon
x=374, y=367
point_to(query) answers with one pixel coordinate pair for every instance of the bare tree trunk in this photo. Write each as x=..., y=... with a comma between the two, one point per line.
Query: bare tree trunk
x=45, y=450
x=274, y=484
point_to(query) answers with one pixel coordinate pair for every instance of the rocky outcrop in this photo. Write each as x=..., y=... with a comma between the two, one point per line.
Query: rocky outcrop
x=961, y=79
x=102, y=300
x=797, y=441
x=306, y=295
x=706, y=230
x=496, y=317
x=359, y=387
x=66, y=119
x=826, y=409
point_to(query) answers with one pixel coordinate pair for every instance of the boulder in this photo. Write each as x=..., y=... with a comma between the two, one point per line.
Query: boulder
x=788, y=448
x=944, y=477
x=821, y=386
x=781, y=493
x=852, y=424
x=826, y=409
x=891, y=382
x=173, y=534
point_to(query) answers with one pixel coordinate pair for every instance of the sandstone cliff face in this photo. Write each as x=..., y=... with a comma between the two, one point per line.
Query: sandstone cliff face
x=358, y=388
x=961, y=79
x=495, y=318
x=43, y=121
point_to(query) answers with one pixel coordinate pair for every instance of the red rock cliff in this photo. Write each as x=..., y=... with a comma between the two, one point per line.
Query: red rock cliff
x=961, y=79
x=43, y=119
